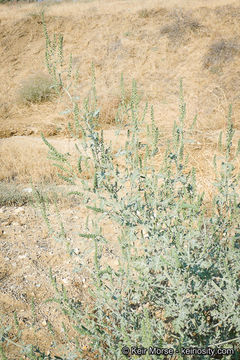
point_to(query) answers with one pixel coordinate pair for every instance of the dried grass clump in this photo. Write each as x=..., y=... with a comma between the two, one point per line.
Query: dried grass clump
x=144, y=13
x=36, y=89
x=108, y=110
x=220, y=52
x=10, y=195
x=181, y=25
x=228, y=13
x=5, y=110
x=114, y=106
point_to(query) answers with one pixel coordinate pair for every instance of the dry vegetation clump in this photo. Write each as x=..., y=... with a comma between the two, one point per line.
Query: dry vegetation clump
x=5, y=110
x=36, y=89
x=108, y=110
x=114, y=108
x=228, y=13
x=146, y=13
x=180, y=26
x=10, y=195
x=36, y=16
x=220, y=52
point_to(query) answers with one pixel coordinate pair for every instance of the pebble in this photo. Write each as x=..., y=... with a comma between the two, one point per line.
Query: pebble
x=22, y=256
x=18, y=210
x=27, y=190
x=77, y=251
x=6, y=223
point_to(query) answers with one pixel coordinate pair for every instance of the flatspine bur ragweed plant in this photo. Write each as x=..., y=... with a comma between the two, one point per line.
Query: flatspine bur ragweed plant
x=177, y=280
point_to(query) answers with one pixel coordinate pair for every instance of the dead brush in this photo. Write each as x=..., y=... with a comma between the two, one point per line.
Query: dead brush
x=181, y=25
x=5, y=110
x=109, y=107
x=147, y=13
x=220, y=52
x=114, y=108
x=144, y=13
x=228, y=13
x=11, y=195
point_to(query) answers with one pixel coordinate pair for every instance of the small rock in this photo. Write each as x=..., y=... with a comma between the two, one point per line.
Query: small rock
x=18, y=210
x=27, y=190
x=6, y=223
x=22, y=256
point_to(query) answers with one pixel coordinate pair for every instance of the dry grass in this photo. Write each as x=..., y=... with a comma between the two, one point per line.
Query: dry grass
x=220, y=52
x=149, y=13
x=10, y=195
x=144, y=53
x=5, y=110
x=24, y=159
x=144, y=13
x=182, y=24
x=108, y=110
x=111, y=105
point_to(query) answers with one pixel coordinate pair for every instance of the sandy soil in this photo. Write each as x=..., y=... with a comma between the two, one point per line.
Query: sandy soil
x=27, y=254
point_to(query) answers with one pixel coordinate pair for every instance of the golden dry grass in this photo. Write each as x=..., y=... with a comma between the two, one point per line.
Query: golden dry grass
x=25, y=158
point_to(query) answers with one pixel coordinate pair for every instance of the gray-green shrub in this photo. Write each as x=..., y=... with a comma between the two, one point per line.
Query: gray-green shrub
x=177, y=282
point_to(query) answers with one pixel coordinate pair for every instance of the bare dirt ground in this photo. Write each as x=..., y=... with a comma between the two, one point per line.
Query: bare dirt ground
x=155, y=42
x=27, y=254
